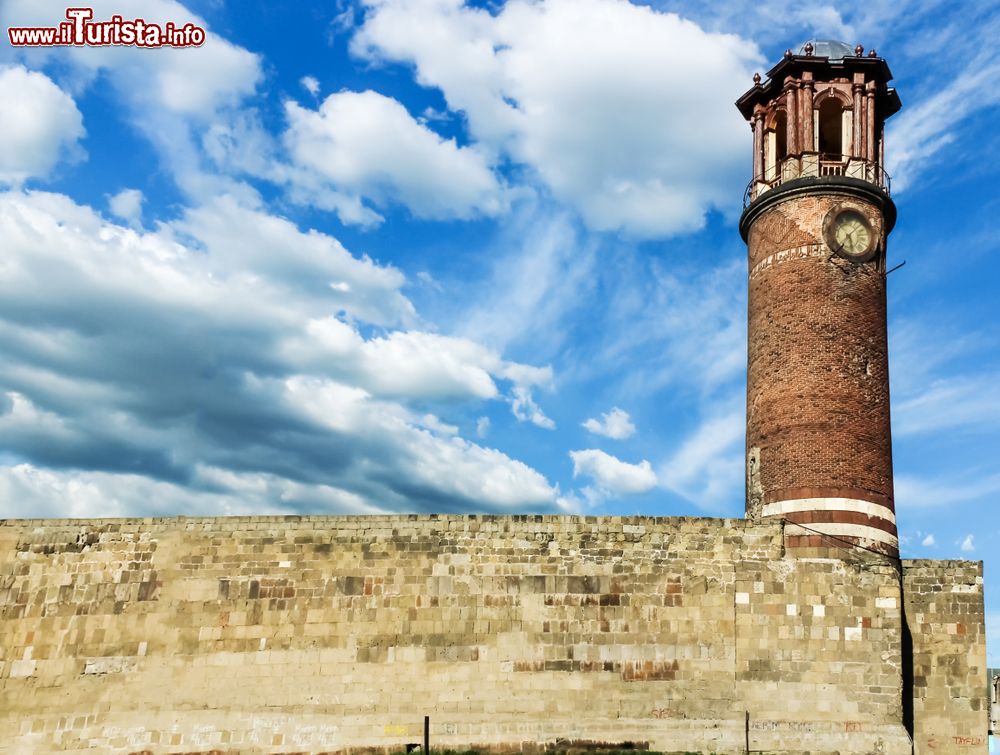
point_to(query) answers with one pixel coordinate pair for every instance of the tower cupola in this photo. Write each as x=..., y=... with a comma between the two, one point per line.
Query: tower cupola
x=820, y=112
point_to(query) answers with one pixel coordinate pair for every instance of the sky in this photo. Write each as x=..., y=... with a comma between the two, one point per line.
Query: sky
x=431, y=256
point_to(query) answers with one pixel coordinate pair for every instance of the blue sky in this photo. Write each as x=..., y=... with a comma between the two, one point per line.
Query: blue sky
x=420, y=255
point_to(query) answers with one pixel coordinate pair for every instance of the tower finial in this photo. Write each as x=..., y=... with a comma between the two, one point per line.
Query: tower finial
x=859, y=51
x=808, y=49
x=756, y=79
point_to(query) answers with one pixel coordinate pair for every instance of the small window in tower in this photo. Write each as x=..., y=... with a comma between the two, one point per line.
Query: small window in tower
x=831, y=129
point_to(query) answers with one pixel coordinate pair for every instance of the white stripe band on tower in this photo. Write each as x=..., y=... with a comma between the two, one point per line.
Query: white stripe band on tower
x=837, y=529
x=829, y=504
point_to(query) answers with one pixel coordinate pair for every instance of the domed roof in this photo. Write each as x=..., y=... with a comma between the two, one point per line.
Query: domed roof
x=828, y=48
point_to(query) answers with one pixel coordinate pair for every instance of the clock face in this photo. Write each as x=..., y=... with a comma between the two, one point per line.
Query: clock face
x=850, y=235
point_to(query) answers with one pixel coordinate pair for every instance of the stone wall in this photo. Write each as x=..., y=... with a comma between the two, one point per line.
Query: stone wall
x=316, y=634
x=945, y=617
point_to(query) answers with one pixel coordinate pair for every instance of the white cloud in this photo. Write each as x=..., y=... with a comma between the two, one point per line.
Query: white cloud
x=169, y=95
x=127, y=205
x=483, y=427
x=775, y=21
x=612, y=475
x=410, y=363
x=138, y=360
x=541, y=272
x=963, y=402
x=365, y=145
x=967, y=545
x=309, y=263
x=679, y=329
x=40, y=125
x=614, y=424
x=430, y=115
x=310, y=84
x=926, y=345
x=928, y=541
x=427, y=279
x=920, y=131
x=239, y=143
x=219, y=74
x=193, y=81
x=968, y=485
x=523, y=406
x=343, y=21
x=708, y=467
x=47, y=493
x=453, y=468
x=623, y=112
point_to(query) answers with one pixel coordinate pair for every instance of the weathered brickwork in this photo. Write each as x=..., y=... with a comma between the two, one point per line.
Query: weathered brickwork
x=818, y=429
x=945, y=616
x=328, y=633
x=818, y=365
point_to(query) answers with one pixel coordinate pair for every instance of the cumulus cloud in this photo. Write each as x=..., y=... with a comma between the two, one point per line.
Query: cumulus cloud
x=404, y=363
x=451, y=470
x=193, y=81
x=611, y=475
x=968, y=545
x=928, y=541
x=614, y=424
x=50, y=493
x=41, y=125
x=624, y=112
x=311, y=264
x=170, y=95
x=198, y=365
x=126, y=205
x=366, y=145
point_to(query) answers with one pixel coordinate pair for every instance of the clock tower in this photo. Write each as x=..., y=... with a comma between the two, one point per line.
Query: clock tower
x=816, y=217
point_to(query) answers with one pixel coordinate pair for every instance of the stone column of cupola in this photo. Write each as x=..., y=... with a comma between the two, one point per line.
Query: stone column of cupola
x=808, y=90
x=758, y=145
x=791, y=118
x=870, y=151
x=857, y=90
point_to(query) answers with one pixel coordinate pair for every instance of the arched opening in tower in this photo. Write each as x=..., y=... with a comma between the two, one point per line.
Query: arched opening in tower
x=781, y=136
x=831, y=135
x=777, y=145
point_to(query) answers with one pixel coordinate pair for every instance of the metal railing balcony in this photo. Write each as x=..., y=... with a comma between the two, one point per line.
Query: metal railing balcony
x=816, y=164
